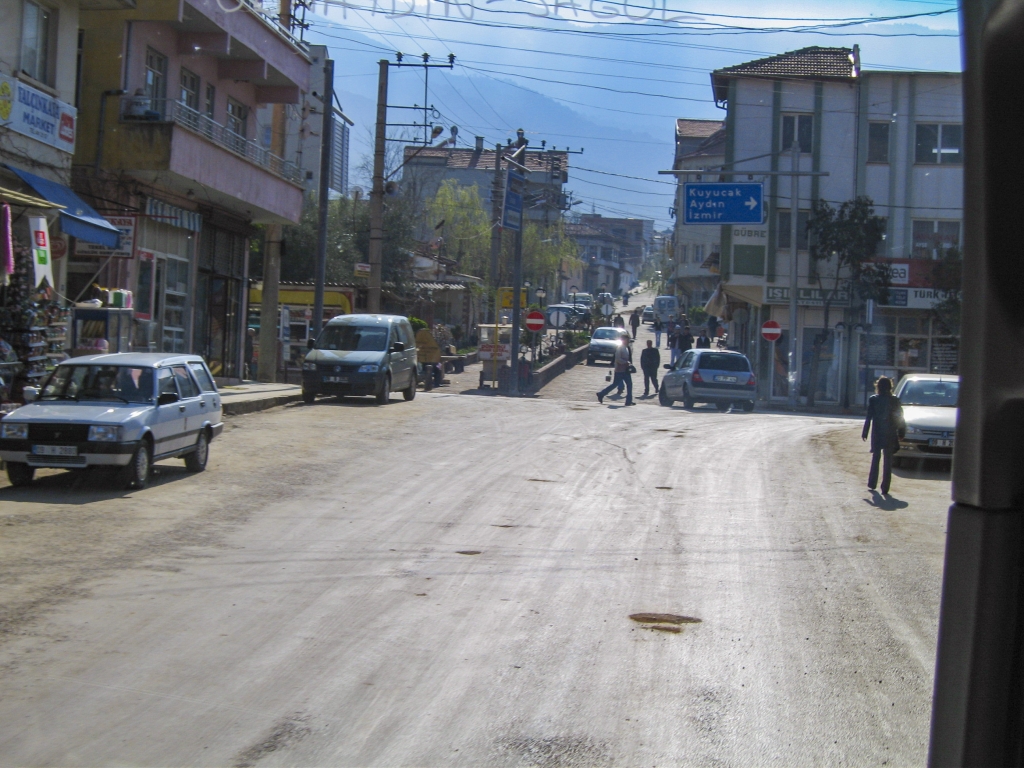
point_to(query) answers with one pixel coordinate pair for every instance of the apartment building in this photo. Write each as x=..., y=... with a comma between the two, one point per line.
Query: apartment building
x=631, y=241
x=893, y=136
x=169, y=142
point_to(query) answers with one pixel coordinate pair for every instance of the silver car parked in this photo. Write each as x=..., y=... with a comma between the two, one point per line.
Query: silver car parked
x=929, y=403
x=121, y=411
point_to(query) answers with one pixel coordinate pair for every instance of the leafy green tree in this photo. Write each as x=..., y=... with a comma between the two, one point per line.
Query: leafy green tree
x=948, y=275
x=465, y=227
x=844, y=243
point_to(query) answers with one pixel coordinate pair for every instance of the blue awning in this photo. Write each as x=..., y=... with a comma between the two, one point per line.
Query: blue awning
x=78, y=218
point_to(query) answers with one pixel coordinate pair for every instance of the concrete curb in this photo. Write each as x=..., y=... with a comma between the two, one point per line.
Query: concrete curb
x=258, y=404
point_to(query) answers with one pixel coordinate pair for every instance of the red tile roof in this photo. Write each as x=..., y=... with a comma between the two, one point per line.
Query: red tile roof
x=540, y=160
x=814, y=63
x=693, y=128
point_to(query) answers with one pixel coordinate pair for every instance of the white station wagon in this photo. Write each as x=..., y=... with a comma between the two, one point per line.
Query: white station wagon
x=116, y=411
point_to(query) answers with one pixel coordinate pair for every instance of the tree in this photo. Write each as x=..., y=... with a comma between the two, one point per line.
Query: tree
x=844, y=243
x=465, y=227
x=947, y=276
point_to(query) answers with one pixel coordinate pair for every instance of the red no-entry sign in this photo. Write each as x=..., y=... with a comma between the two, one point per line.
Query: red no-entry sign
x=535, y=321
x=771, y=331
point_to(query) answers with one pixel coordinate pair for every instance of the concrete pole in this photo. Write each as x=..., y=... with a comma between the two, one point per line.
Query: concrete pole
x=326, y=137
x=794, y=215
x=517, y=286
x=267, y=369
x=495, y=231
x=377, y=192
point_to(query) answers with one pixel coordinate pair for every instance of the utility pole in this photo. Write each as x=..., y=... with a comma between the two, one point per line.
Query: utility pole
x=518, y=159
x=794, y=214
x=269, y=309
x=326, y=139
x=377, y=191
x=495, y=228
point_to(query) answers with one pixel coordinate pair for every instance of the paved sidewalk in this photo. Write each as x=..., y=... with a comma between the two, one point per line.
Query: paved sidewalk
x=252, y=396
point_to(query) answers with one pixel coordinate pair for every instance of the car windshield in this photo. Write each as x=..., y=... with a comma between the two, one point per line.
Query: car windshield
x=354, y=338
x=100, y=382
x=607, y=333
x=925, y=392
x=720, y=362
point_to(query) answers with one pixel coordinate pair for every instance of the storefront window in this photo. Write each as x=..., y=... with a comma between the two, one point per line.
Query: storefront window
x=175, y=304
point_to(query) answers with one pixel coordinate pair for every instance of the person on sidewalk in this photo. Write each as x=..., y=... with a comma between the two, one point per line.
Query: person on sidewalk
x=622, y=375
x=650, y=359
x=885, y=422
x=685, y=341
x=703, y=341
x=634, y=321
x=670, y=328
x=658, y=327
x=250, y=343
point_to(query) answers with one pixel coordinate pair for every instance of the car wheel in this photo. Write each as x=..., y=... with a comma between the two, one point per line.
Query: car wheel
x=384, y=393
x=308, y=396
x=410, y=392
x=687, y=399
x=590, y=361
x=723, y=407
x=196, y=461
x=135, y=474
x=19, y=473
x=748, y=406
x=663, y=397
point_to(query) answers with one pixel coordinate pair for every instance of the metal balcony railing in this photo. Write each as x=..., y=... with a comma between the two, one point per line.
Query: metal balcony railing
x=144, y=109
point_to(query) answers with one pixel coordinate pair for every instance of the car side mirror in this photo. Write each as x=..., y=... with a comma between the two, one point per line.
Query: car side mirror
x=166, y=398
x=397, y=346
x=30, y=394
x=667, y=367
x=310, y=342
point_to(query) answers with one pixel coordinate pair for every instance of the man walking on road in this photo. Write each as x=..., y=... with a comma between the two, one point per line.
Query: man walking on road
x=622, y=375
x=657, y=326
x=703, y=342
x=650, y=359
x=634, y=321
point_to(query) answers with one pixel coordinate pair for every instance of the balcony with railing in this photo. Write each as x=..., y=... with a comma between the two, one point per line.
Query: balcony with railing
x=141, y=110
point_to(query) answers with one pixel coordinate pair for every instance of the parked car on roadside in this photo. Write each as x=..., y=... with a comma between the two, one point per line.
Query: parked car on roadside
x=710, y=376
x=930, y=409
x=604, y=342
x=122, y=411
x=361, y=355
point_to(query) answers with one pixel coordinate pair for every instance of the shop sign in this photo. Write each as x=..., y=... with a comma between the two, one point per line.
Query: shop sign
x=916, y=298
x=806, y=297
x=362, y=269
x=899, y=273
x=32, y=113
x=59, y=246
x=125, y=248
x=41, y=250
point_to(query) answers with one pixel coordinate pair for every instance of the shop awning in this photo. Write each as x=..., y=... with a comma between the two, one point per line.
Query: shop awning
x=77, y=218
x=26, y=201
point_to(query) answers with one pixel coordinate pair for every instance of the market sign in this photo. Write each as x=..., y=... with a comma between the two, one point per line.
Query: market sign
x=35, y=114
x=126, y=245
x=806, y=297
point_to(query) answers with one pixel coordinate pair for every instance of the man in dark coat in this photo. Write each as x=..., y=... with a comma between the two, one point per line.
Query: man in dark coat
x=650, y=359
x=703, y=341
x=885, y=422
x=634, y=321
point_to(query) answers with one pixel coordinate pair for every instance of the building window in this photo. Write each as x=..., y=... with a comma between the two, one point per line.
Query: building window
x=933, y=238
x=238, y=118
x=211, y=101
x=936, y=143
x=36, y=31
x=156, y=80
x=698, y=254
x=800, y=128
x=801, y=230
x=878, y=142
x=189, y=95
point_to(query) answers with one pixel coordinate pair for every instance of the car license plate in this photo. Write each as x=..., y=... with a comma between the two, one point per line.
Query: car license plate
x=336, y=379
x=55, y=450
x=936, y=442
x=726, y=379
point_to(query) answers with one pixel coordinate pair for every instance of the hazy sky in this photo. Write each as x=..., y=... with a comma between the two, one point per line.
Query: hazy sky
x=606, y=77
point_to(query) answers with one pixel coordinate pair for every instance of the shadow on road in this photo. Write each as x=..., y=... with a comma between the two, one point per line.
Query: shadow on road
x=78, y=487
x=888, y=502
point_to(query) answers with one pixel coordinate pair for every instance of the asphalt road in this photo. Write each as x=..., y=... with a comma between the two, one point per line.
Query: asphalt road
x=450, y=582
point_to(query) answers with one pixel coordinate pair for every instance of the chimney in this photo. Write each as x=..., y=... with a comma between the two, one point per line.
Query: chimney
x=479, y=143
x=855, y=60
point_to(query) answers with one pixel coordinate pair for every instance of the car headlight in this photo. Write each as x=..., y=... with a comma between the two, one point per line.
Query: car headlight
x=914, y=431
x=368, y=368
x=309, y=366
x=14, y=431
x=105, y=434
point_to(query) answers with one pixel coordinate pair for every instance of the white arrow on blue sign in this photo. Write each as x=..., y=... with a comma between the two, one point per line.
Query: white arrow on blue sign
x=723, y=202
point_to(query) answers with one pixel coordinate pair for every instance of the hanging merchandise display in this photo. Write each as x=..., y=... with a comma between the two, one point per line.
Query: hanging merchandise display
x=6, y=245
x=42, y=263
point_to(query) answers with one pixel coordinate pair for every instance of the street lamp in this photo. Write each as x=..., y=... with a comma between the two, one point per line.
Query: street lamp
x=541, y=294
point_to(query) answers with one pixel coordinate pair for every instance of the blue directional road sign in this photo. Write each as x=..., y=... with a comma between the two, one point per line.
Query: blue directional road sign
x=723, y=202
x=512, y=210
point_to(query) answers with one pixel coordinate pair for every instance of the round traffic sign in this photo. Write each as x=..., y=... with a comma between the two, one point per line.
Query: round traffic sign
x=771, y=331
x=535, y=321
x=607, y=309
x=559, y=318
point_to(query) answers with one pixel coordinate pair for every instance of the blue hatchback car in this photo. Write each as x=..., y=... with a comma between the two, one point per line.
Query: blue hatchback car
x=710, y=376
